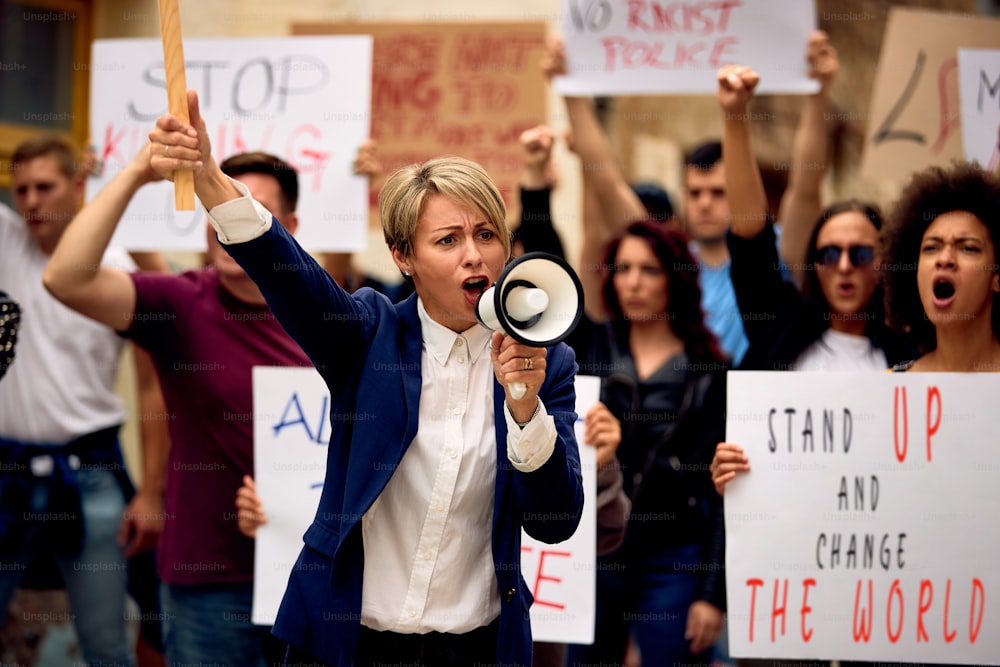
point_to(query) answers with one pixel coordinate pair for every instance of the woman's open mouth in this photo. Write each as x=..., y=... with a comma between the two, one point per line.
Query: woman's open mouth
x=944, y=292
x=474, y=288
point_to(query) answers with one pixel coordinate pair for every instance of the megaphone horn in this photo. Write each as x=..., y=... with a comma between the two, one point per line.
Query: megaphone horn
x=537, y=301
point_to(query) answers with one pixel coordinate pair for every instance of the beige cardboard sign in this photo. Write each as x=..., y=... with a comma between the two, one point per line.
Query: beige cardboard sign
x=465, y=89
x=915, y=119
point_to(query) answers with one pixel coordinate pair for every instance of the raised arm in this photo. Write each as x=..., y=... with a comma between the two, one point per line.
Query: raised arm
x=744, y=187
x=592, y=253
x=536, y=232
x=326, y=322
x=75, y=275
x=618, y=202
x=801, y=202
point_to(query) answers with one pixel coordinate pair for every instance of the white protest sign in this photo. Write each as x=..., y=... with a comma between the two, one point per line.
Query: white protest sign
x=979, y=92
x=866, y=527
x=304, y=99
x=649, y=47
x=291, y=434
x=562, y=576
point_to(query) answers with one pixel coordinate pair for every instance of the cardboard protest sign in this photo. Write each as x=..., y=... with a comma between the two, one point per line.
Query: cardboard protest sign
x=289, y=97
x=866, y=527
x=979, y=91
x=915, y=119
x=291, y=437
x=649, y=47
x=562, y=577
x=291, y=427
x=465, y=89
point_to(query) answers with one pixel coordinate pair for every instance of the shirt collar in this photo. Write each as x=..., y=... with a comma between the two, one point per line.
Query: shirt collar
x=440, y=340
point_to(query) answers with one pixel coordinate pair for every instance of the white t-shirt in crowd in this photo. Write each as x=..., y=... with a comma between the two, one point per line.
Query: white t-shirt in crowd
x=838, y=351
x=62, y=382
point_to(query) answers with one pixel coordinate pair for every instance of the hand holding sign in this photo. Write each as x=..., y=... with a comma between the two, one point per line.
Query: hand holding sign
x=822, y=59
x=250, y=513
x=602, y=431
x=173, y=60
x=729, y=460
x=554, y=61
x=177, y=145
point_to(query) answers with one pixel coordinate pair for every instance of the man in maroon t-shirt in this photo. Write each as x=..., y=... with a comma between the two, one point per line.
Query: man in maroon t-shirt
x=205, y=330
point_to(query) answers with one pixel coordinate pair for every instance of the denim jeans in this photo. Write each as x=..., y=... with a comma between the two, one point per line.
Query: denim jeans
x=210, y=625
x=647, y=595
x=95, y=579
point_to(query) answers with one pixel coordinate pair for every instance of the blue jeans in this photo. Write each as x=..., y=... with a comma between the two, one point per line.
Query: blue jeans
x=210, y=625
x=647, y=595
x=95, y=579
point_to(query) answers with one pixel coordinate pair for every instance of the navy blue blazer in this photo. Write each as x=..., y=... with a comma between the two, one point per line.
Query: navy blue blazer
x=369, y=353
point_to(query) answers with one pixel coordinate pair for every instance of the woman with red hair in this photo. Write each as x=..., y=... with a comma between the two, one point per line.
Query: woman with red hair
x=664, y=380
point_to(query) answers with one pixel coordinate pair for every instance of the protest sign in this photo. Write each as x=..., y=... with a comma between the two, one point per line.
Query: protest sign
x=866, y=527
x=465, y=89
x=979, y=92
x=562, y=577
x=291, y=434
x=286, y=96
x=647, y=47
x=915, y=120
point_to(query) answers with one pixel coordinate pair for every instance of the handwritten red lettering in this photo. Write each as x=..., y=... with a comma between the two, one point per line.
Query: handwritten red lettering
x=894, y=637
x=900, y=451
x=692, y=18
x=721, y=50
x=933, y=395
x=540, y=577
x=948, y=121
x=478, y=95
x=399, y=91
x=922, y=607
x=806, y=609
x=623, y=53
x=779, y=610
x=948, y=638
x=975, y=625
x=111, y=141
x=481, y=53
x=754, y=584
x=863, y=631
x=308, y=159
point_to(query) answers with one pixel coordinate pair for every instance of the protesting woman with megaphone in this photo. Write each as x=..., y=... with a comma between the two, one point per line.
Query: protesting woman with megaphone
x=415, y=548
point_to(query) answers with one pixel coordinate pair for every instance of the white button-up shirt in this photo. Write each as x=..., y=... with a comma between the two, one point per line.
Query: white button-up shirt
x=428, y=537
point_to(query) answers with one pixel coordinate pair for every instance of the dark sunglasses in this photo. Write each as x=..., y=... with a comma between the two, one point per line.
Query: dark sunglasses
x=860, y=255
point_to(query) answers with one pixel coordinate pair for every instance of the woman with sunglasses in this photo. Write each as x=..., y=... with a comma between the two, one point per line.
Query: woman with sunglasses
x=836, y=322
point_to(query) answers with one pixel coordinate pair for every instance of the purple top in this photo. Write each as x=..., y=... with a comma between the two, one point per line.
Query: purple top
x=204, y=343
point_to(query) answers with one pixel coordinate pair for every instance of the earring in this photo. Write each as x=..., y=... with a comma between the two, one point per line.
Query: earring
x=406, y=273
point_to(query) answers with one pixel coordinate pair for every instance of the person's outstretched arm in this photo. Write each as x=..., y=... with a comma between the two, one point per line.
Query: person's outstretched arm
x=744, y=187
x=619, y=203
x=801, y=202
x=75, y=275
x=536, y=232
x=326, y=321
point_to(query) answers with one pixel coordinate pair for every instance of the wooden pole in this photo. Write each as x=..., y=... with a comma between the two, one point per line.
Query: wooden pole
x=173, y=62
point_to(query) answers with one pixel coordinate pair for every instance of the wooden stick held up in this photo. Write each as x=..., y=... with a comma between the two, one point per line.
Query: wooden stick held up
x=173, y=62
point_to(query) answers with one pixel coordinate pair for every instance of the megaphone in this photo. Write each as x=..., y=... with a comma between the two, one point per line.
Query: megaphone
x=537, y=301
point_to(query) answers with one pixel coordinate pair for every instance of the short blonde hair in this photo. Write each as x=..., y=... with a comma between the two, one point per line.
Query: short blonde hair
x=401, y=201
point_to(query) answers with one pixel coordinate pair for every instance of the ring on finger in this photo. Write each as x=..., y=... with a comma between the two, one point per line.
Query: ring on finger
x=528, y=364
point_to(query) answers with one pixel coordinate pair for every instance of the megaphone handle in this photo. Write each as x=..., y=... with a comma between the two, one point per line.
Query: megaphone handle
x=517, y=390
